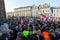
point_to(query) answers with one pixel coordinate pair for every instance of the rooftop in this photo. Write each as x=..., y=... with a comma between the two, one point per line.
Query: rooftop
x=23, y=7
x=55, y=7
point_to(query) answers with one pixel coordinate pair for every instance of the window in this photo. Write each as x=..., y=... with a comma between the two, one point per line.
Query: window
x=57, y=14
x=57, y=10
x=51, y=14
x=43, y=11
x=54, y=14
x=54, y=10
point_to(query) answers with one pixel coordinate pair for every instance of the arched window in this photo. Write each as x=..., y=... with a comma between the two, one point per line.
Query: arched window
x=57, y=10
x=54, y=14
x=43, y=11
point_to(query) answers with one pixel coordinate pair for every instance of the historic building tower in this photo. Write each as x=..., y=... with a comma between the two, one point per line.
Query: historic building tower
x=2, y=10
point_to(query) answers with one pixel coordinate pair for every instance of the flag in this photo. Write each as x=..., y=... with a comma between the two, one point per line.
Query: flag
x=50, y=19
x=42, y=17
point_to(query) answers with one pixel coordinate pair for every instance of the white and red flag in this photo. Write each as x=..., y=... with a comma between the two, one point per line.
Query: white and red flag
x=42, y=17
x=50, y=19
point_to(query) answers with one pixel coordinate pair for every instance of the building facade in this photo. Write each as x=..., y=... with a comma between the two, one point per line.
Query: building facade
x=10, y=14
x=56, y=12
x=27, y=11
x=23, y=11
x=45, y=9
x=35, y=11
x=2, y=10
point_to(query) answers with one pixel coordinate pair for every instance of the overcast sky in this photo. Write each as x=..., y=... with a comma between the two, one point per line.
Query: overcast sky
x=11, y=4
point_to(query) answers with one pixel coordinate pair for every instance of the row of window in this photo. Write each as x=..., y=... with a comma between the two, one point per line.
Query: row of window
x=56, y=10
x=44, y=11
x=53, y=15
x=23, y=13
x=49, y=11
x=23, y=9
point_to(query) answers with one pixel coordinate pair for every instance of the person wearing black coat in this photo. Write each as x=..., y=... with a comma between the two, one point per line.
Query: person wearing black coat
x=33, y=37
x=15, y=33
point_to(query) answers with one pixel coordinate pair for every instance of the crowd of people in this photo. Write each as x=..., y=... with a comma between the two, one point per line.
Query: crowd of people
x=27, y=28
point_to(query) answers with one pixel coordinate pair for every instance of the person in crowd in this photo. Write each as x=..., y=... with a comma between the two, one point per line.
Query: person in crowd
x=57, y=31
x=19, y=36
x=46, y=35
x=30, y=28
x=33, y=36
x=15, y=33
x=25, y=35
x=53, y=34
